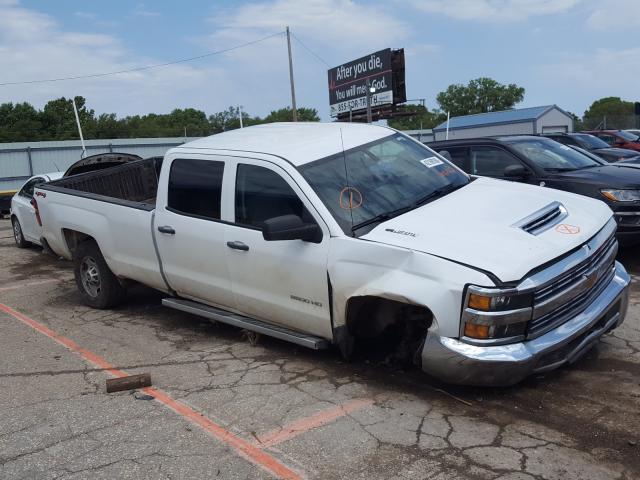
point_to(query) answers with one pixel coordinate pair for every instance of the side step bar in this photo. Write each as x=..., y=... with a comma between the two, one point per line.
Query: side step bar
x=213, y=313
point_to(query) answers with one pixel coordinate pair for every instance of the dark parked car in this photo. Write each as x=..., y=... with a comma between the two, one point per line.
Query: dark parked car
x=541, y=161
x=618, y=138
x=594, y=145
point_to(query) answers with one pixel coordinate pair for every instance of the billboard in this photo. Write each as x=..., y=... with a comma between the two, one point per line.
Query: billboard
x=384, y=70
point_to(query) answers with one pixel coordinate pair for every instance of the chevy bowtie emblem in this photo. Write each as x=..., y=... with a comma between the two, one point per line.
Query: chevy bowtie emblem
x=590, y=279
x=567, y=229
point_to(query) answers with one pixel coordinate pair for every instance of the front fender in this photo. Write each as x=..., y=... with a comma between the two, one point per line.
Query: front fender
x=359, y=267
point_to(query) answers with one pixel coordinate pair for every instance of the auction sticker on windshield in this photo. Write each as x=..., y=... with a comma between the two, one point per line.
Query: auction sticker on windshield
x=431, y=162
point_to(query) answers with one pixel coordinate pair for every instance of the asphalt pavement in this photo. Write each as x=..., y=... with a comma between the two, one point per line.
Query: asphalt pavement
x=223, y=406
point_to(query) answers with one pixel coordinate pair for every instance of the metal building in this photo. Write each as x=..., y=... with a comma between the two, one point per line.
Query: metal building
x=521, y=121
x=21, y=160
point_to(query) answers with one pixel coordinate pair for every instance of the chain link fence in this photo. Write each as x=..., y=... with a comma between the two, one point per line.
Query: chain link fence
x=609, y=122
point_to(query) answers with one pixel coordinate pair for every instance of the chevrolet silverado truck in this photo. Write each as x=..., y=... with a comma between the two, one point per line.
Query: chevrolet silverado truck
x=337, y=234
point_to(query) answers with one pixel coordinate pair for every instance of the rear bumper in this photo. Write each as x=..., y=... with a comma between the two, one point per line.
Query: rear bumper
x=457, y=362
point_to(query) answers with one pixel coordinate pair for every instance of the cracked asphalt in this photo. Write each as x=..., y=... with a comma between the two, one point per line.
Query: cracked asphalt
x=317, y=415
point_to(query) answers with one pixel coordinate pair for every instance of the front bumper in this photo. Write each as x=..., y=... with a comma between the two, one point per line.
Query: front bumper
x=628, y=232
x=457, y=362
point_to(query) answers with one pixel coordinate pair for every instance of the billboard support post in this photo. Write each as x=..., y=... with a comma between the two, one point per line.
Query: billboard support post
x=369, y=119
x=293, y=88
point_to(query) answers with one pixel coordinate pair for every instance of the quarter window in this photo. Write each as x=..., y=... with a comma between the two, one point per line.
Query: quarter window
x=195, y=188
x=262, y=194
x=491, y=161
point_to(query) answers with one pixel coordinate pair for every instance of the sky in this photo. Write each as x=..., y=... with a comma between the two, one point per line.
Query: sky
x=567, y=52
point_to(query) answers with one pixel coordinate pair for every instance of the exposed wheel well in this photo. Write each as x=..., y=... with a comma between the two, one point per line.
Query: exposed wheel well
x=73, y=238
x=389, y=330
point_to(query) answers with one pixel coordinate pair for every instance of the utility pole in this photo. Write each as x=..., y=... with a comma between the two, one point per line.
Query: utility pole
x=293, y=88
x=240, y=114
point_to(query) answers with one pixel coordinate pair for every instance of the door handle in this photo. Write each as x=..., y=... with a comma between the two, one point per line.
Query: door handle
x=166, y=229
x=238, y=246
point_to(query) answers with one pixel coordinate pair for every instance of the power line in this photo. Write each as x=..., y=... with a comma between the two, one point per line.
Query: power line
x=309, y=50
x=146, y=67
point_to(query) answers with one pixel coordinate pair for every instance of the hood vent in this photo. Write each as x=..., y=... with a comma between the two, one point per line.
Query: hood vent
x=543, y=219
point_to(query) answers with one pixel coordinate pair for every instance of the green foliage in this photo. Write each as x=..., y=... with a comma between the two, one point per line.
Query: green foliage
x=479, y=96
x=56, y=121
x=610, y=112
x=286, y=115
x=420, y=118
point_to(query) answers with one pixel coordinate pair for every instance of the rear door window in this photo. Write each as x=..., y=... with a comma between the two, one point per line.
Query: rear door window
x=195, y=188
x=491, y=161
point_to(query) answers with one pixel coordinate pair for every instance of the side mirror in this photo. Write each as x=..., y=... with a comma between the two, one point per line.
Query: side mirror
x=291, y=227
x=516, y=171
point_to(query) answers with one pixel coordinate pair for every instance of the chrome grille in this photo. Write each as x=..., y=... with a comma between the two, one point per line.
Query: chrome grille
x=571, y=292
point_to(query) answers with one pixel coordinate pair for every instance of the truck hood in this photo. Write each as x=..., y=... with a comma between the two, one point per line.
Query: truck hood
x=475, y=226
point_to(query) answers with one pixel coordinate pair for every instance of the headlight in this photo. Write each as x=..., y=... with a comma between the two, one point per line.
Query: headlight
x=493, y=315
x=621, y=195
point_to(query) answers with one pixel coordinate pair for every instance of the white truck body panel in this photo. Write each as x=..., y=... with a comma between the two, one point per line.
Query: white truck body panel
x=425, y=257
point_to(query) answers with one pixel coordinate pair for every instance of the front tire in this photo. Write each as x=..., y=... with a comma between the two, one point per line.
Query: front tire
x=18, y=236
x=97, y=284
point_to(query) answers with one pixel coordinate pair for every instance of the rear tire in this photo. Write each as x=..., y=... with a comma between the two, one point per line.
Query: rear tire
x=18, y=236
x=97, y=284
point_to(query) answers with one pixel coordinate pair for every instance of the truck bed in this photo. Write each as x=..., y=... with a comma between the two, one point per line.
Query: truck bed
x=134, y=184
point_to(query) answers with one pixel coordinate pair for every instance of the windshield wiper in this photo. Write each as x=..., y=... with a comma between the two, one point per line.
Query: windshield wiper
x=560, y=169
x=380, y=218
x=421, y=201
x=439, y=192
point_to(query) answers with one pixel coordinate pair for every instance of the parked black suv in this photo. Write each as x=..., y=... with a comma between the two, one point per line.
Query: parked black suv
x=594, y=145
x=541, y=161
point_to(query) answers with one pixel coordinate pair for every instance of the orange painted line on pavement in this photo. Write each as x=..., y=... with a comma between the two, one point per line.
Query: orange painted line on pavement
x=309, y=423
x=246, y=449
x=29, y=284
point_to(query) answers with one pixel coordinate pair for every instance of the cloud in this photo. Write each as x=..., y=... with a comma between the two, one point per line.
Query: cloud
x=618, y=14
x=422, y=49
x=353, y=25
x=493, y=10
x=34, y=46
x=85, y=15
x=602, y=73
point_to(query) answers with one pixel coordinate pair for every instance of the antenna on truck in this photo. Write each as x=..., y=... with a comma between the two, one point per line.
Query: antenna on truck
x=75, y=110
x=347, y=188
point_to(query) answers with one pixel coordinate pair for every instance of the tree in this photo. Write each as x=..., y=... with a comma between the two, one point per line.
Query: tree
x=56, y=121
x=577, y=122
x=19, y=122
x=59, y=121
x=421, y=118
x=286, y=115
x=479, y=96
x=610, y=112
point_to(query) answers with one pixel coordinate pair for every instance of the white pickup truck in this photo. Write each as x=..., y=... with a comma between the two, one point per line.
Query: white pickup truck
x=325, y=234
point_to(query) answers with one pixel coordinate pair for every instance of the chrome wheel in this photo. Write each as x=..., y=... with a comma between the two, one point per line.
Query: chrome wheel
x=90, y=276
x=17, y=232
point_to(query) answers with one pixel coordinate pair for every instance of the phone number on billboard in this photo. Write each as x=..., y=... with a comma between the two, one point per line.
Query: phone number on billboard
x=361, y=103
